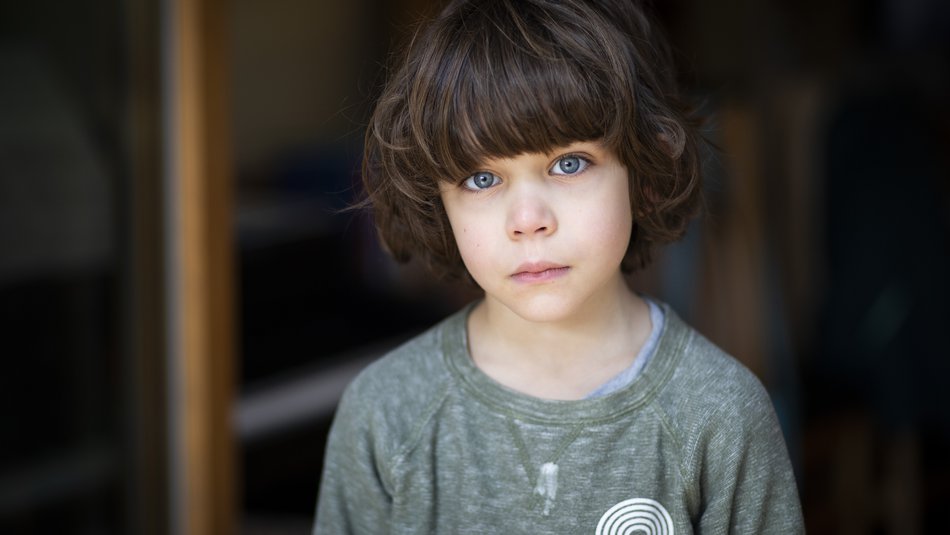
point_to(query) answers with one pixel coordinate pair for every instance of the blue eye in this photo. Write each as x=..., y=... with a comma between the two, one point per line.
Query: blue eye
x=570, y=165
x=481, y=180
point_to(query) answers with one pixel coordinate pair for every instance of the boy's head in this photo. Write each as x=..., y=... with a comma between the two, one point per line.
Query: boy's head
x=497, y=78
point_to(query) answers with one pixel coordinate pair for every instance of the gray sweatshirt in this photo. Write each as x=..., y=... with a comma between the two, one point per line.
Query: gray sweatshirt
x=424, y=442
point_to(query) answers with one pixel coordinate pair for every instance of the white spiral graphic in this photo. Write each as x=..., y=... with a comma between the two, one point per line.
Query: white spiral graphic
x=639, y=515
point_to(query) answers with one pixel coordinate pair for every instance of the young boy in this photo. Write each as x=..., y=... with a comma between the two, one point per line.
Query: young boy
x=538, y=147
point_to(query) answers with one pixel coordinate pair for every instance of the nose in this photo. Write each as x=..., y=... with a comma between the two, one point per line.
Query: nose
x=530, y=215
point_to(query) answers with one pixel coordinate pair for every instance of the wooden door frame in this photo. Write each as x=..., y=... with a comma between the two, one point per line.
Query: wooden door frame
x=201, y=265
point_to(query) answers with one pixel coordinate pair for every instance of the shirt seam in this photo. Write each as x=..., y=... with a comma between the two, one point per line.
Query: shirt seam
x=402, y=453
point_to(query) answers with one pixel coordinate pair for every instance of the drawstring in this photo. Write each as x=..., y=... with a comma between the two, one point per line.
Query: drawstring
x=546, y=484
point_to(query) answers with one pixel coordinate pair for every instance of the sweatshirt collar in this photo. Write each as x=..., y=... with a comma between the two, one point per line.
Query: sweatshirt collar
x=670, y=347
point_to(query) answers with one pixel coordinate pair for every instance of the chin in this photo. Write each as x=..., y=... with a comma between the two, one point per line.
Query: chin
x=542, y=309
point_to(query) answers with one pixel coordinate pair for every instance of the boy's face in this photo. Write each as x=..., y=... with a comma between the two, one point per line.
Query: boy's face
x=544, y=234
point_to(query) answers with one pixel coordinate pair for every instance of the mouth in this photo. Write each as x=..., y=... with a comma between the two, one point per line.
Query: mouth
x=539, y=272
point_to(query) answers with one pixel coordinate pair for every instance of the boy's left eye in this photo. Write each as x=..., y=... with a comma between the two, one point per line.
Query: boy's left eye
x=570, y=165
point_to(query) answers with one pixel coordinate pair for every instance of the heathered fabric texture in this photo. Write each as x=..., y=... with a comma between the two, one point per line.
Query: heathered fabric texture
x=424, y=442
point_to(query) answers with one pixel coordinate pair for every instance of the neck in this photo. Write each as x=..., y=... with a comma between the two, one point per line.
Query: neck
x=562, y=359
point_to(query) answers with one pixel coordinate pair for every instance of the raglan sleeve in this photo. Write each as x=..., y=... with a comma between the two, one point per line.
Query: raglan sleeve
x=354, y=496
x=747, y=482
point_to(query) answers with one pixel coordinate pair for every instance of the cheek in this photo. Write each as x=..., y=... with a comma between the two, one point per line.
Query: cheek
x=615, y=227
x=621, y=217
x=610, y=219
x=470, y=240
x=474, y=249
x=464, y=228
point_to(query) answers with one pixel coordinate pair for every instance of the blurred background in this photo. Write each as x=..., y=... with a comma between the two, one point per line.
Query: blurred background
x=182, y=299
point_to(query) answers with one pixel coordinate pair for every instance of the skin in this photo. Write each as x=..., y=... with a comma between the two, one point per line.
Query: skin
x=543, y=234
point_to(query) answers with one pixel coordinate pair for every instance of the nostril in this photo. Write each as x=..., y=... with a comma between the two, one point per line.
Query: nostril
x=530, y=220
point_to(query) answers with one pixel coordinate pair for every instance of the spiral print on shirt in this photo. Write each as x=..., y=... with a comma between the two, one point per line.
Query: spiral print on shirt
x=639, y=515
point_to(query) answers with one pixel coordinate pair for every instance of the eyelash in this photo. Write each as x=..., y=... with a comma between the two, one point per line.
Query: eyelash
x=585, y=163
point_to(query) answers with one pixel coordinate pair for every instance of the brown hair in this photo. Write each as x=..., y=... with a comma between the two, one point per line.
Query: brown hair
x=497, y=78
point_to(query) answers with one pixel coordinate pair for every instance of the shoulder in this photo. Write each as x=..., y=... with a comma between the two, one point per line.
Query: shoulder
x=710, y=392
x=734, y=456
x=394, y=394
x=706, y=379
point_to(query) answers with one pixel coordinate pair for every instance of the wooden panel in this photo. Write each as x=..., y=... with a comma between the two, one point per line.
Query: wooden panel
x=205, y=493
x=732, y=300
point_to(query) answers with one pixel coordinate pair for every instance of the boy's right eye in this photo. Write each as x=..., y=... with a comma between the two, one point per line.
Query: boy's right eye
x=481, y=180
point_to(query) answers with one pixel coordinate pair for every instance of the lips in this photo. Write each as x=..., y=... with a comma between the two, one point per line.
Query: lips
x=539, y=272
